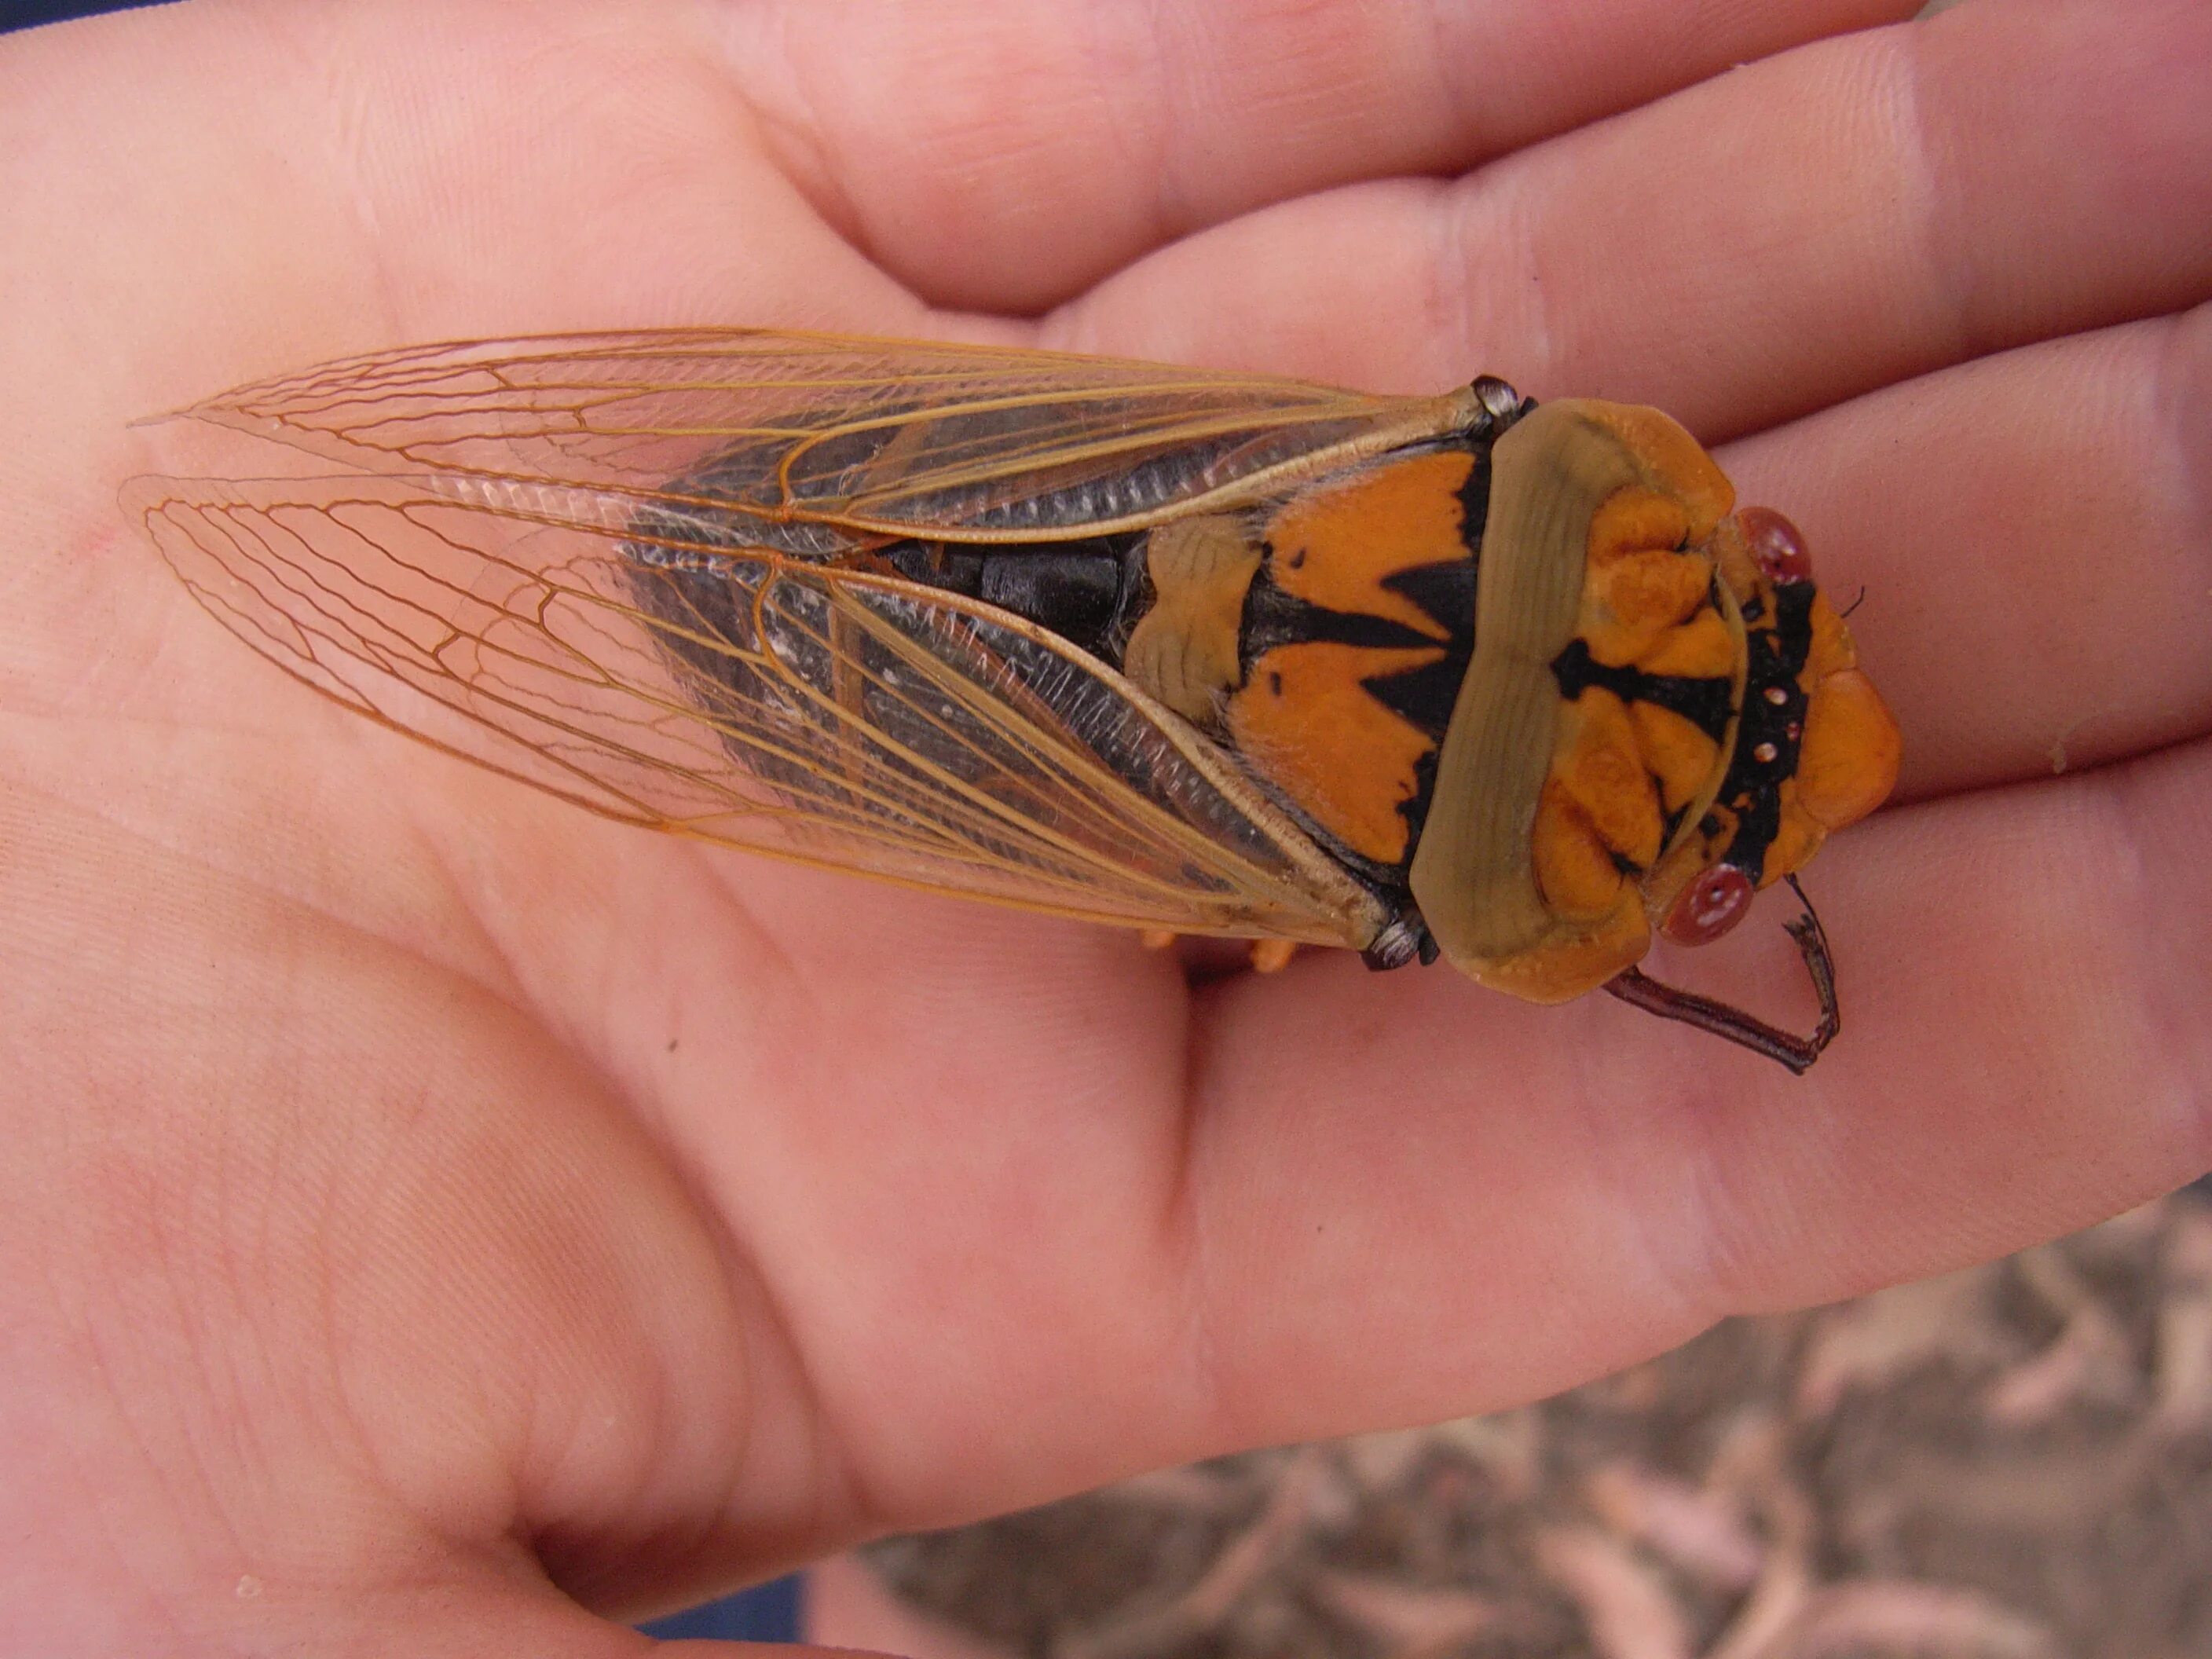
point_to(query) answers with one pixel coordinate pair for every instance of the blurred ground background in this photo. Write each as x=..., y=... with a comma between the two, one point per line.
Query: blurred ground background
x=2013, y=1462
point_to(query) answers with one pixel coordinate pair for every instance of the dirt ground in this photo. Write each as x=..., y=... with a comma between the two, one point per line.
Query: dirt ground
x=2014, y=1462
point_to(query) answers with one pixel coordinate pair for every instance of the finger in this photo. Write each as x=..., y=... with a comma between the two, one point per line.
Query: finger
x=1834, y=219
x=461, y=171
x=1405, y=1213
x=2030, y=535
x=1002, y=156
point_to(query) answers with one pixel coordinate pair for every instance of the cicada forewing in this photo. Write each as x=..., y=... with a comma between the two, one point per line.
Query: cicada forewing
x=762, y=434
x=641, y=572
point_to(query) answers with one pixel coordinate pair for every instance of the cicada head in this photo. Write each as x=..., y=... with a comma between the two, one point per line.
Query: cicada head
x=1815, y=747
x=1663, y=714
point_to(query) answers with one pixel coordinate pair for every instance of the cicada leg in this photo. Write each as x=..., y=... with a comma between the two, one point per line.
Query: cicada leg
x=1725, y=1020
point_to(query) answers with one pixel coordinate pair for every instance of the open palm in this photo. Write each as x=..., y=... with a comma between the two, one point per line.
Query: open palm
x=432, y=1211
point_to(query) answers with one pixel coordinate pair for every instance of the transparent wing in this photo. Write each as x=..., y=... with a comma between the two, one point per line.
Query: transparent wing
x=786, y=435
x=817, y=712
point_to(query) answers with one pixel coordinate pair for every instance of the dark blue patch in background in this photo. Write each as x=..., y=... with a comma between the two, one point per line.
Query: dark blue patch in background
x=767, y=1613
x=22, y=14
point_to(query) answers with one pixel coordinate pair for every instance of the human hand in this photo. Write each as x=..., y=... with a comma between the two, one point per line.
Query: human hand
x=436, y=1218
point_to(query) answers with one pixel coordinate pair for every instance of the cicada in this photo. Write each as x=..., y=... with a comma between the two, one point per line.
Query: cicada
x=1183, y=650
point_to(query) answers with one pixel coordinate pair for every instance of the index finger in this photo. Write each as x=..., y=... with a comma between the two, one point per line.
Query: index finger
x=1003, y=156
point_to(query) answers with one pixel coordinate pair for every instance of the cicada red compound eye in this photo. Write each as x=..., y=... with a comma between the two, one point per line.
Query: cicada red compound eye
x=1777, y=544
x=1710, y=906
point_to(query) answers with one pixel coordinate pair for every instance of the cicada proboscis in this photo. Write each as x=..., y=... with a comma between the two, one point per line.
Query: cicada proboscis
x=1181, y=650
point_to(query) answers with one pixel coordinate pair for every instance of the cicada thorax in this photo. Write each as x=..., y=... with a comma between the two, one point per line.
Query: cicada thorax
x=1661, y=715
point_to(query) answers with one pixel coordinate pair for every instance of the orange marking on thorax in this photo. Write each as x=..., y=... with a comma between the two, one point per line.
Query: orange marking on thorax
x=1680, y=756
x=1303, y=718
x=1335, y=545
x=1600, y=767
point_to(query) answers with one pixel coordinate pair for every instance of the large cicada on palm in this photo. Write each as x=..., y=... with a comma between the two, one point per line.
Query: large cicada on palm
x=1181, y=650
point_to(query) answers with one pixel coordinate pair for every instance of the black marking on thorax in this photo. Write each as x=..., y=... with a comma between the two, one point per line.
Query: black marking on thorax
x=1772, y=731
x=1426, y=695
x=1704, y=701
x=1444, y=591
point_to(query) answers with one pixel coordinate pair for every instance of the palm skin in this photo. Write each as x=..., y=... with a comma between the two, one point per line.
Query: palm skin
x=435, y=1217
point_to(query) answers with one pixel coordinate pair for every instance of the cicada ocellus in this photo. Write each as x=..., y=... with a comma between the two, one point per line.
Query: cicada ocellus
x=1171, y=649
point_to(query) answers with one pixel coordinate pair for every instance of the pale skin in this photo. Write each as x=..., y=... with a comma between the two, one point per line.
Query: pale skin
x=437, y=1221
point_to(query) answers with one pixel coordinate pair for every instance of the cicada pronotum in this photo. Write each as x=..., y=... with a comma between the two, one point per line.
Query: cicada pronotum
x=1183, y=650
